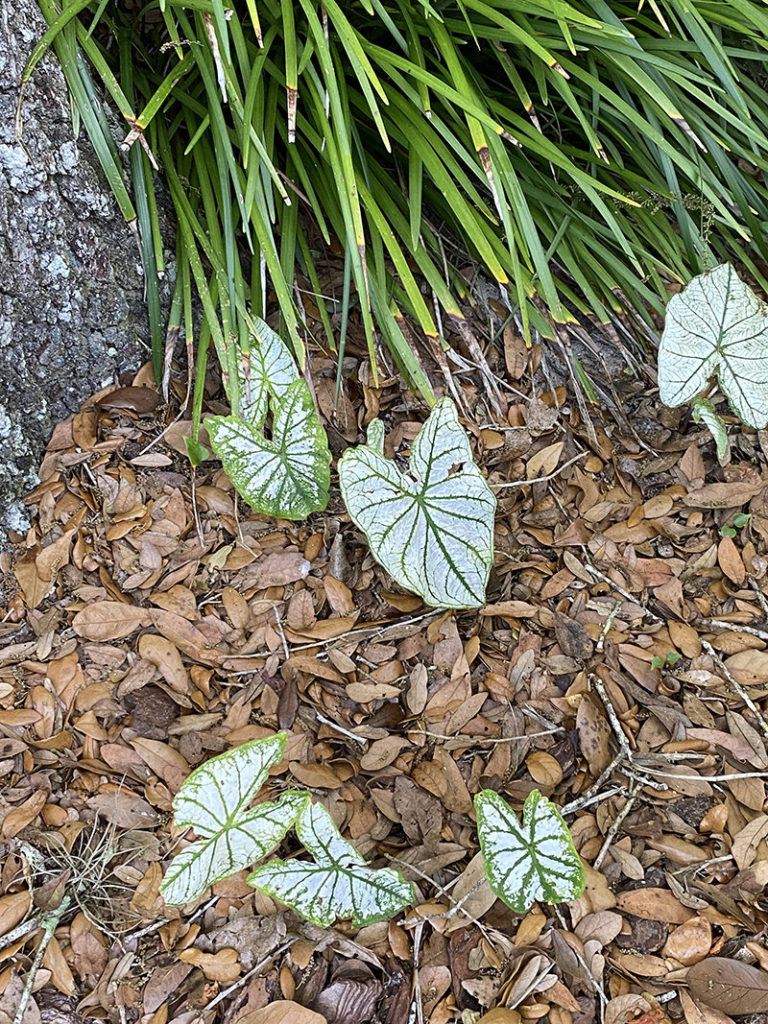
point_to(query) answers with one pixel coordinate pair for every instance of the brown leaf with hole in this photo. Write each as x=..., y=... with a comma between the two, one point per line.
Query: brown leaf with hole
x=729, y=985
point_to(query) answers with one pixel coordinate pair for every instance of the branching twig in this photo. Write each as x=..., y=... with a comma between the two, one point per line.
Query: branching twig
x=736, y=685
x=49, y=922
x=542, y=479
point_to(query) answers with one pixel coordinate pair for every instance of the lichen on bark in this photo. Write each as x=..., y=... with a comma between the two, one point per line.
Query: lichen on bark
x=72, y=310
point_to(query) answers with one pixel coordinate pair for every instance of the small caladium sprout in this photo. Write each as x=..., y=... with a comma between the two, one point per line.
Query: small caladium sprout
x=214, y=801
x=716, y=326
x=432, y=530
x=288, y=474
x=533, y=861
x=337, y=884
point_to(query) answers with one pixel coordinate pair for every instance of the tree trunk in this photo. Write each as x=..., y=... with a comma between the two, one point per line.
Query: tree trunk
x=72, y=312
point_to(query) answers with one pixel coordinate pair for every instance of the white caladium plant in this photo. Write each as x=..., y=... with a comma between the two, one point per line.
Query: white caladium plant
x=533, y=861
x=717, y=326
x=214, y=800
x=432, y=530
x=337, y=884
x=286, y=475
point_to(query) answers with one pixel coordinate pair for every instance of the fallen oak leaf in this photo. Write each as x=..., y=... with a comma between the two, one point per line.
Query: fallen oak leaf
x=110, y=620
x=729, y=985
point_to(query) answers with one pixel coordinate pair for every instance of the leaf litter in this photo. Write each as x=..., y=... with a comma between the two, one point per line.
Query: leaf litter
x=620, y=667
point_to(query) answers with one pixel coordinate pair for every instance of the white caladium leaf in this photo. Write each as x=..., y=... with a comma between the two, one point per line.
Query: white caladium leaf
x=214, y=800
x=431, y=530
x=287, y=476
x=338, y=884
x=717, y=325
x=535, y=861
x=267, y=369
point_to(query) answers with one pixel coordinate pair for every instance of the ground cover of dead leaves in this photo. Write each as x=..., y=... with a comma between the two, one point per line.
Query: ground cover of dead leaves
x=143, y=632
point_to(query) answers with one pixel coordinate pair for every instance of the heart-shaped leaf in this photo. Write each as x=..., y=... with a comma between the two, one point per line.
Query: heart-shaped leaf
x=338, y=884
x=213, y=801
x=535, y=861
x=717, y=325
x=267, y=369
x=287, y=476
x=432, y=530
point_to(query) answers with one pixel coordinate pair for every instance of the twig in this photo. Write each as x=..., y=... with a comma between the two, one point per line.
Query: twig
x=602, y=997
x=417, y=1002
x=254, y=970
x=458, y=905
x=542, y=479
x=471, y=740
x=281, y=631
x=736, y=686
x=736, y=627
x=620, y=590
x=705, y=778
x=763, y=600
x=340, y=728
x=586, y=801
x=606, y=628
x=49, y=922
x=594, y=789
x=613, y=830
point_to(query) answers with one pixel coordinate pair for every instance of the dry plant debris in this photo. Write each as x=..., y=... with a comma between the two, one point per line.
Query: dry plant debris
x=620, y=666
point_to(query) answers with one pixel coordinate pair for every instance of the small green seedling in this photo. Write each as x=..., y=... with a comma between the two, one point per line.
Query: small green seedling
x=738, y=522
x=533, y=861
x=669, y=659
x=288, y=474
x=717, y=326
x=432, y=530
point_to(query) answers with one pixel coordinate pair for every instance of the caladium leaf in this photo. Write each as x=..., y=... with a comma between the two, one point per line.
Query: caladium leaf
x=431, y=530
x=704, y=412
x=338, y=884
x=214, y=800
x=267, y=369
x=717, y=325
x=535, y=861
x=287, y=476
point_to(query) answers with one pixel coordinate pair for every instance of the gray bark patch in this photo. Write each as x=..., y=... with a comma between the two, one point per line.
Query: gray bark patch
x=72, y=311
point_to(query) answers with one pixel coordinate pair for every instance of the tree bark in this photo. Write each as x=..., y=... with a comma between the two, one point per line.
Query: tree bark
x=72, y=311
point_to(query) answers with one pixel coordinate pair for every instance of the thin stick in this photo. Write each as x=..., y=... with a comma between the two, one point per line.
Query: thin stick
x=542, y=479
x=602, y=997
x=340, y=728
x=620, y=590
x=472, y=740
x=49, y=923
x=736, y=627
x=759, y=595
x=613, y=830
x=736, y=686
x=254, y=970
